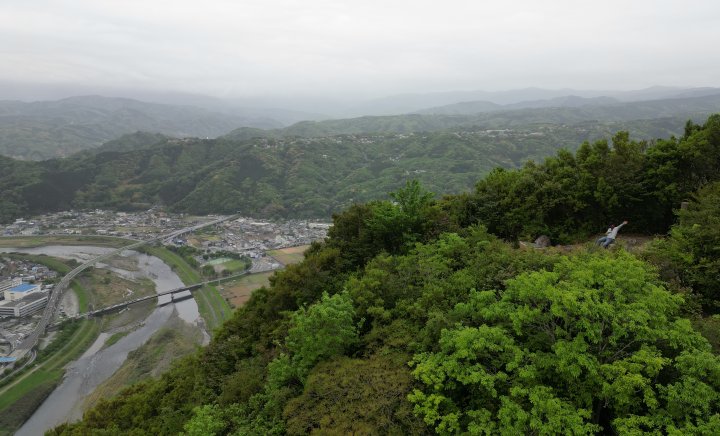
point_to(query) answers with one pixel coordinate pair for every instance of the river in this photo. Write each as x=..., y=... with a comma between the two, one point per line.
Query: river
x=96, y=365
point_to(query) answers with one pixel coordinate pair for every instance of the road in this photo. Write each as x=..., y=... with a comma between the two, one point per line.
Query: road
x=49, y=313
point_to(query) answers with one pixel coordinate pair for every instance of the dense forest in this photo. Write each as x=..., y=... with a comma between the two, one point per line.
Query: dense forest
x=419, y=315
x=286, y=176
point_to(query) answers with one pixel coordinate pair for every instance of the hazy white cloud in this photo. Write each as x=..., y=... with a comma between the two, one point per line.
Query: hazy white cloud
x=359, y=47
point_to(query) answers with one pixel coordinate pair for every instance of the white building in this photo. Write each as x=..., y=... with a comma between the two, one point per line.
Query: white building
x=7, y=284
x=21, y=291
x=24, y=306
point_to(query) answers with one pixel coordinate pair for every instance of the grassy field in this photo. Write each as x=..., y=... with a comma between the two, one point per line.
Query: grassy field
x=127, y=263
x=218, y=261
x=108, y=288
x=212, y=306
x=112, y=339
x=82, y=296
x=232, y=266
x=62, y=266
x=37, y=241
x=34, y=391
x=289, y=256
x=238, y=291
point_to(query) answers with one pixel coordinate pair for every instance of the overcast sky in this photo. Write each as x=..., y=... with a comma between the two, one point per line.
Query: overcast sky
x=359, y=48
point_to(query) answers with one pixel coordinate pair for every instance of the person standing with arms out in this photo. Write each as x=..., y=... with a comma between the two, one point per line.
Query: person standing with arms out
x=610, y=238
x=602, y=239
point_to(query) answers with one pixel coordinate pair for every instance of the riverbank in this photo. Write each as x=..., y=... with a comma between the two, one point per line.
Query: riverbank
x=173, y=341
x=39, y=241
x=211, y=304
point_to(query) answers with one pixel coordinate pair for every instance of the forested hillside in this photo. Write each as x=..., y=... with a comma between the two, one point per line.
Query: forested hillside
x=414, y=317
x=293, y=176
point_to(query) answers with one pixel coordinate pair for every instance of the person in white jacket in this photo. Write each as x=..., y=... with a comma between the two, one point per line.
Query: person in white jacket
x=610, y=238
x=603, y=238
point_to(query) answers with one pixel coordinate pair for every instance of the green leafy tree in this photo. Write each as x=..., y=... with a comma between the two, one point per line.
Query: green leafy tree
x=692, y=252
x=594, y=345
x=323, y=330
x=397, y=225
x=206, y=421
x=355, y=396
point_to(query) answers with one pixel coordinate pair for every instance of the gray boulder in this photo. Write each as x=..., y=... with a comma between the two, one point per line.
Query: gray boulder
x=542, y=241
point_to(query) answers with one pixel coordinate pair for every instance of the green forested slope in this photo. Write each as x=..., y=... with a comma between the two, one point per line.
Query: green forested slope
x=411, y=318
x=299, y=177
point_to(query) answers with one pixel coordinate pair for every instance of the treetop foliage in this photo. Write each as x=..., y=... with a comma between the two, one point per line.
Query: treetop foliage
x=593, y=345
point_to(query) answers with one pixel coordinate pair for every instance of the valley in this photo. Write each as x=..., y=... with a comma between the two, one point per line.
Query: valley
x=315, y=218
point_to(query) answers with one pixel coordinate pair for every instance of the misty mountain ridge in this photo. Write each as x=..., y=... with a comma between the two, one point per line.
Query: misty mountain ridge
x=683, y=108
x=291, y=109
x=45, y=129
x=473, y=107
x=415, y=102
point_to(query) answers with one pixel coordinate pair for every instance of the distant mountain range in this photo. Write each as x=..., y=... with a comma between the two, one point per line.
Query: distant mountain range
x=486, y=115
x=515, y=99
x=46, y=129
x=41, y=130
x=474, y=107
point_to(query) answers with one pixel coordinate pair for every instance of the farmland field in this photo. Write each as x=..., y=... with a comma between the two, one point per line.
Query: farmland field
x=238, y=291
x=290, y=255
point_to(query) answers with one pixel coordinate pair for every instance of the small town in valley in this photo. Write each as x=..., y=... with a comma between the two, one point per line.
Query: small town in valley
x=234, y=245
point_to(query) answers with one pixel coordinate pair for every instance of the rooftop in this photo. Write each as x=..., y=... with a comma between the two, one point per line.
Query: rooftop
x=23, y=288
x=24, y=300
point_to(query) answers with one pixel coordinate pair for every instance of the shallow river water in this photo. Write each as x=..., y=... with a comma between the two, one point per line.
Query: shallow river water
x=96, y=366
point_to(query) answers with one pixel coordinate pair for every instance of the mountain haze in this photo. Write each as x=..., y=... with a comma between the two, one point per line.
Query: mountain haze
x=467, y=116
x=406, y=103
x=47, y=129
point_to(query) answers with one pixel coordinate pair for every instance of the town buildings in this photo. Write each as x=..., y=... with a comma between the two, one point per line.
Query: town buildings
x=23, y=300
x=25, y=306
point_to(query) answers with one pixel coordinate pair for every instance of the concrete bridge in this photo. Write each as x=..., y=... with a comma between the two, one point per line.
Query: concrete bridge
x=172, y=292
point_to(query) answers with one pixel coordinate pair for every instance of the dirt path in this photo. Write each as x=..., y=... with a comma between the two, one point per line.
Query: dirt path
x=70, y=303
